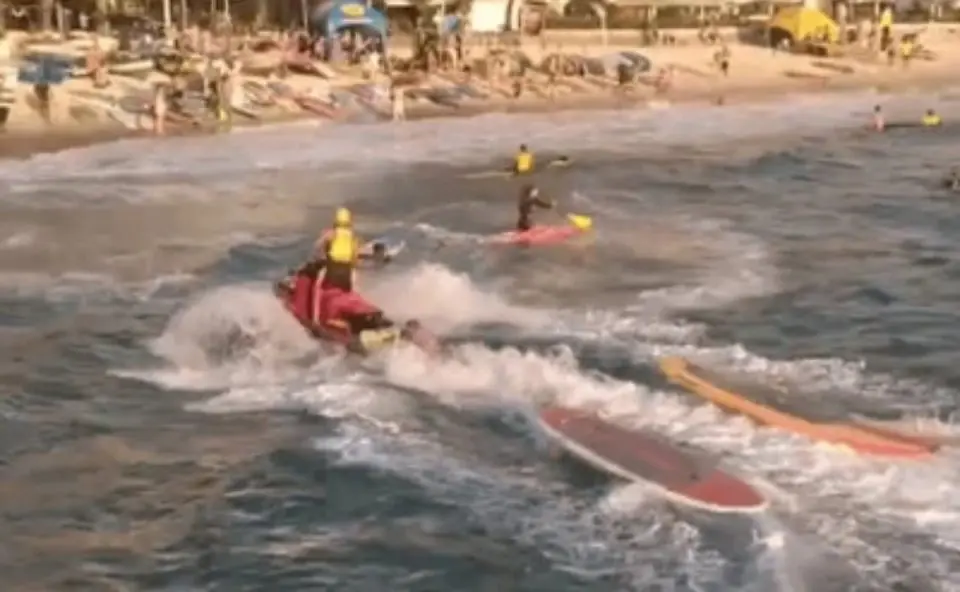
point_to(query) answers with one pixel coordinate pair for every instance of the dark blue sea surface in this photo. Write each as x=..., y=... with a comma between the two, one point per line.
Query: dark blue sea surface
x=166, y=426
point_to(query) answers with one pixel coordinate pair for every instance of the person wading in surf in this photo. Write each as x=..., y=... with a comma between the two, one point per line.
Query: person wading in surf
x=528, y=200
x=953, y=181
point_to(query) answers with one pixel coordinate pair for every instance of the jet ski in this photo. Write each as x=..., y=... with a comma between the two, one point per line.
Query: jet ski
x=348, y=319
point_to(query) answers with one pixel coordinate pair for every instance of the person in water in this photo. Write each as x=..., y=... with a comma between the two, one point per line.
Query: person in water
x=378, y=257
x=953, y=181
x=523, y=163
x=931, y=119
x=339, y=250
x=878, y=121
x=529, y=199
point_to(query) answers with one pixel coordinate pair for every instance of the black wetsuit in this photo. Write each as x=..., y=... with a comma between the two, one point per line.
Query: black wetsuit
x=525, y=208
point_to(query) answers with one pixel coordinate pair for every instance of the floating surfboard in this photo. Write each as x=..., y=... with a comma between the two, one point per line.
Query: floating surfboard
x=679, y=475
x=391, y=247
x=774, y=407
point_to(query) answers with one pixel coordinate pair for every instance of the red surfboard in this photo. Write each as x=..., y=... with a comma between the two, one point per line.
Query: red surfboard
x=538, y=235
x=681, y=477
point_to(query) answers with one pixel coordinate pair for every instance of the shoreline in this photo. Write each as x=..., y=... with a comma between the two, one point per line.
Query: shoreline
x=692, y=87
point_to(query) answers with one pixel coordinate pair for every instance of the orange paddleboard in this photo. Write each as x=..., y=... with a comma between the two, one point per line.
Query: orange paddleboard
x=721, y=392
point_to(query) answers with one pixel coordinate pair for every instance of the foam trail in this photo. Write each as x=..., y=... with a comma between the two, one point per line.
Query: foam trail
x=444, y=300
x=739, y=267
x=241, y=335
x=742, y=269
x=230, y=336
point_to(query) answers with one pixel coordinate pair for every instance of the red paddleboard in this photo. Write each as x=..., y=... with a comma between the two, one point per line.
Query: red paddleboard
x=636, y=456
x=538, y=235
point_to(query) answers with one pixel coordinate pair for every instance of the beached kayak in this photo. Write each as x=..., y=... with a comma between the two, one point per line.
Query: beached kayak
x=538, y=235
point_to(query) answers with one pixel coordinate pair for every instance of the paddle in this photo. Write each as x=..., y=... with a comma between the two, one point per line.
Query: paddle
x=487, y=174
x=579, y=221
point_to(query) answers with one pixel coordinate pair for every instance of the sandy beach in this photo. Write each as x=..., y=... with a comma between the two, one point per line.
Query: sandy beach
x=83, y=115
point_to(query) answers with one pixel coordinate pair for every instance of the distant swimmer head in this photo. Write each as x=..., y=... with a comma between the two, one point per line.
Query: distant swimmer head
x=343, y=217
x=523, y=148
x=876, y=109
x=931, y=112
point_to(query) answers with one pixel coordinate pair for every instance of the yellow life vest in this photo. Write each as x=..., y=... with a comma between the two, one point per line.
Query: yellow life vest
x=886, y=18
x=932, y=120
x=524, y=162
x=342, y=247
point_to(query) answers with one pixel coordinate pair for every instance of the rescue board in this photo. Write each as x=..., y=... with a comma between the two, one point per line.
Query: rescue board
x=679, y=475
x=538, y=235
x=769, y=406
x=908, y=430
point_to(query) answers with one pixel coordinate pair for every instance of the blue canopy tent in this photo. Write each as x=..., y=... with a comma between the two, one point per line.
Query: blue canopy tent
x=331, y=17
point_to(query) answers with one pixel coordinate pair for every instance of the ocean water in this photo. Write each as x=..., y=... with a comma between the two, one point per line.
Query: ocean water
x=165, y=426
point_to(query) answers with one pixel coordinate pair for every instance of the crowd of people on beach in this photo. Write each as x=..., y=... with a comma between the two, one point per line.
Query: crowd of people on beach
x=221, y=50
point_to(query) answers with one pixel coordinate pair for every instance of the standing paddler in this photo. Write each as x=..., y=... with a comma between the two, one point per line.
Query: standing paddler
x=529, y=199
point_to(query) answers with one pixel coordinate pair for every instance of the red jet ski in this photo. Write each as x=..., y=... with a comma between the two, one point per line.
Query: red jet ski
x=348, y=319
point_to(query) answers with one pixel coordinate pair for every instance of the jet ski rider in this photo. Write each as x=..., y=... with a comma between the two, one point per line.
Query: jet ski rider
x=524, y=162
x=339, y=250
x=529, y=199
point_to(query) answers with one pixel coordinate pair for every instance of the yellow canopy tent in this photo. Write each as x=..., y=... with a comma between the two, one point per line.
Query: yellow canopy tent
x=802, y=23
